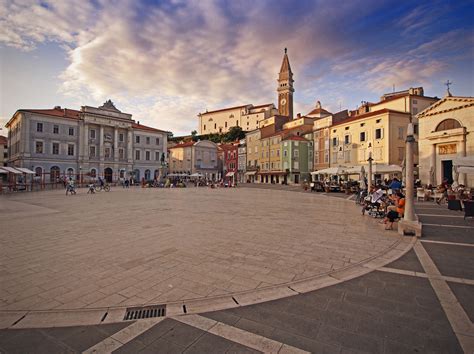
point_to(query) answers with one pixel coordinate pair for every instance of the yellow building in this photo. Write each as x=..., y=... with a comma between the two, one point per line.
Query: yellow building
x=446, y=132
x=247, y=117
x=380, y=133
x=270, y=158
x=252, y=140
x=194, y=157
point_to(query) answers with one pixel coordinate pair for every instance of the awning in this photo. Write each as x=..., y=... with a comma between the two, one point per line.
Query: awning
x=12, y=170
x=250, y=173
x=230, y=174
x=196, y=175
x=3, y=171
x=25, y=170
x=355, y=170
x=330, y=171
x=378, y=169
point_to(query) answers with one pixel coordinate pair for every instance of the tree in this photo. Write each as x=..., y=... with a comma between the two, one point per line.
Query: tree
x=194, y=136
x=234, y=133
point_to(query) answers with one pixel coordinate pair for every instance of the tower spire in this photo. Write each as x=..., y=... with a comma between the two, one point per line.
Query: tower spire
x=285, y=88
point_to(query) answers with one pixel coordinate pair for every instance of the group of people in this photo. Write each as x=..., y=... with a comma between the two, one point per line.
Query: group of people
x=390, y=205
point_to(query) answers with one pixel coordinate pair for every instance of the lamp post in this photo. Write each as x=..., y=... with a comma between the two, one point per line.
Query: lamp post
x=369, y=179
x=409, y=177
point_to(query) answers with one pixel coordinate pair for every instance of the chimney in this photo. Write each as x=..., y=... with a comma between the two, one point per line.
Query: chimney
x=57, y=107
x=298, y=115
x=138, y=122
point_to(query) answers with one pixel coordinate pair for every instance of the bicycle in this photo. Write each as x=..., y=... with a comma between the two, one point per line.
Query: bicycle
x=105, y=187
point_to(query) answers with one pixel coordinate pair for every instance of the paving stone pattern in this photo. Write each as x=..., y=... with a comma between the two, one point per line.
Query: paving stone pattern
x=146, y=246
x=453, y=261
x=409, y=261
x=378, y=313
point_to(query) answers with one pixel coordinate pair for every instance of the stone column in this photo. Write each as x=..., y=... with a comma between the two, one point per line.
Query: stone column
x=25, y=134
x=409, y=225
x=462, y=176
x=433, y=165
x=101, y=143
x=369, y=177
x=85, y=142
x=116, y=155
x=130, y=145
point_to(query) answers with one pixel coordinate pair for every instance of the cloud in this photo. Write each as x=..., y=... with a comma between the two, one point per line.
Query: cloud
x=166, y=63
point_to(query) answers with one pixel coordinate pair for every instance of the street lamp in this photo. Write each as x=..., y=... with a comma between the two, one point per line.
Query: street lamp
x=369, y=179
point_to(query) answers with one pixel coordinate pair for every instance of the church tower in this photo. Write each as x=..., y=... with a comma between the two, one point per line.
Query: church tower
x=285, y=88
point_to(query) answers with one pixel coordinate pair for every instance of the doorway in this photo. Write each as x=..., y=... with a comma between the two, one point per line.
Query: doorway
x=108, y=174
x=447, y=169
x=297, y=179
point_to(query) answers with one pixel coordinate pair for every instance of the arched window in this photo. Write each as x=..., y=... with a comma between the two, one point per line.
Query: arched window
x=448, y=124
x=38, y=171
x=70, y=172
x=147, y=175
x=54, y=174
x=93, y=173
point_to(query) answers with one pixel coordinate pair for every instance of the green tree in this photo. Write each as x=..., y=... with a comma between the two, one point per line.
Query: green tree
x=194, y=135
x=234, y=133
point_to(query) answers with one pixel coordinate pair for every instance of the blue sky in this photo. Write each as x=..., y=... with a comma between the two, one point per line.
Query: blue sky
x=166, y=61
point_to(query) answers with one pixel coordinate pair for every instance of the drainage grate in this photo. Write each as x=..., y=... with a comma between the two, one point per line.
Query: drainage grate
x=136, y=313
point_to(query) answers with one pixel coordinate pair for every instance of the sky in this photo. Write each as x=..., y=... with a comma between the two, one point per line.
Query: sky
x=165, y=61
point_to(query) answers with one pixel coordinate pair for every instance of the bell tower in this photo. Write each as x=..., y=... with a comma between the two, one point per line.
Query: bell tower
x=285, y=88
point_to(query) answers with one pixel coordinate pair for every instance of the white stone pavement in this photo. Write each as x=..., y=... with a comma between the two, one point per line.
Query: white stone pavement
x=149, y=246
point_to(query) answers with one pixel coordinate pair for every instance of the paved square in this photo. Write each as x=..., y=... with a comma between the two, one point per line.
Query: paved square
x=146, y=246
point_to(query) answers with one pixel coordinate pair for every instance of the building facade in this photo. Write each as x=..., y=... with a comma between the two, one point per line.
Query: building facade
x=246, y=116
x=295, y=159
x=242, y=161
x=85, y=144
x=252, y=142
x=446, y=132
x=195, y=157
x=231, y=161
x=3, y=150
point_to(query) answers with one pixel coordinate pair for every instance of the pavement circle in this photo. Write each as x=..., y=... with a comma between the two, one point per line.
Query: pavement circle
x=207, y=249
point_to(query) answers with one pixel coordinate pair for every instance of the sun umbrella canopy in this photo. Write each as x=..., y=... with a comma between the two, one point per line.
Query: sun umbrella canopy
x=330, y=171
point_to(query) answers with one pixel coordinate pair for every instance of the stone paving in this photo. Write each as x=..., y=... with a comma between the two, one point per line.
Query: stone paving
x=417, y=303
x=146, y=246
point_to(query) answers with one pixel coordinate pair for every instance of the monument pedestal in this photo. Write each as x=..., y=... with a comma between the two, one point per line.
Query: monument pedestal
x=409, y=228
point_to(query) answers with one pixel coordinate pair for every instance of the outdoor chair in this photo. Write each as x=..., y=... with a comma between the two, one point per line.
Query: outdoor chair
x=437, y=196
x=420, y=193
x=468, y=209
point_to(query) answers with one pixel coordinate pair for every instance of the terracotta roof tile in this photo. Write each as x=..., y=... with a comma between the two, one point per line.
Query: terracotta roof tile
x=144, y=127
x=366, y=115
x=296, y=138
x=182, y=145
x=56, y=112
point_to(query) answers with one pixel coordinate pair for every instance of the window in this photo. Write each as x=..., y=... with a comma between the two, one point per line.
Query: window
x=137, y=139
x=448, y=124
x=377, y=121
x=204, y=127
x=39, y=127
x=346, y=139
x=296, y=164
x=93, y=173
x=285, y=153
x=92, y=133
x=347, y=156
x=55, y=148
x=148, y=140
x=39, y=147
x=400, y=133
x=415, y=128
x=157, y=156
x=378, y=133
x=38, y=171
x=362, y=124
x=71, y=131
x=226, y=124
x=121, y=137
x=70, y=149
x=91, y=151
x=147, y=155
x=362, y=137
x=55, y=129
x=334, y=141
x=236, y=123
x=215, y=125
x=121, y=155
x=296, y=153
x=415, y=101
x=137, y=154
x=157, y=141
x=107, y=152
x=401, y=153
x=415, y=110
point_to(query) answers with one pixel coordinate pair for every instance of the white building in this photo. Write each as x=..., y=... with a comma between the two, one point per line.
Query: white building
x=87, y=143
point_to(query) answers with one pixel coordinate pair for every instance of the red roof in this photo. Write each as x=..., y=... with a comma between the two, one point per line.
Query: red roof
x=262, y=105
x=366, y=115
x=318, y=110
x=57, y=112
x=144, y=127
x=3, y=140
x=225, y=109
x=396, y=97
x=296, y=138
x=182, y=145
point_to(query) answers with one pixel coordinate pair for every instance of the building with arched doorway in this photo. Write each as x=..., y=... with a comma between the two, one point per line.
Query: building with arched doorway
x=446, y=132
x=85, y=144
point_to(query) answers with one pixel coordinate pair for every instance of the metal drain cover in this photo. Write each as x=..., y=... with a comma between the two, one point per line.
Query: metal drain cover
x=136, y=313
